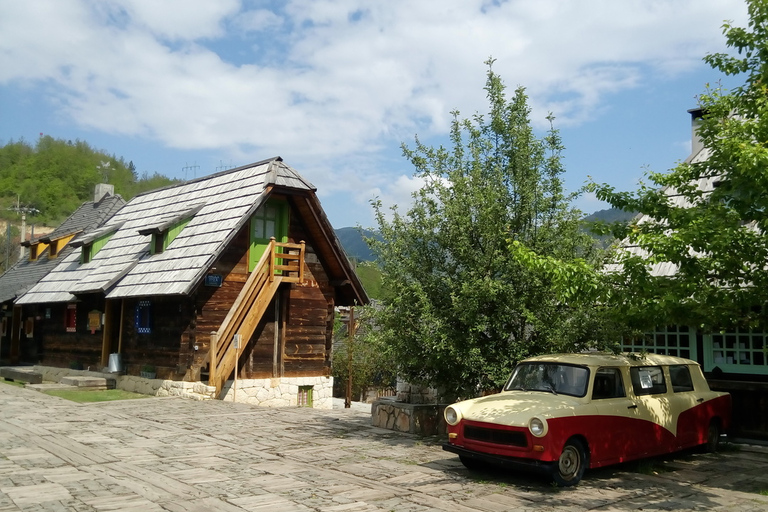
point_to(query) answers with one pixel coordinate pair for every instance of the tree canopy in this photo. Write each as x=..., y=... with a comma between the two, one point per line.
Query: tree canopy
x=56, y=176
x=461, y=300
x=709, y=215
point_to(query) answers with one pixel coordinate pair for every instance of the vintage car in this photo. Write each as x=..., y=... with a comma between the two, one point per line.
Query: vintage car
x=561, y=414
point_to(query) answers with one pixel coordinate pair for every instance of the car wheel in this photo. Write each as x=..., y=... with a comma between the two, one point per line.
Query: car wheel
x=571, y=465
x=713, y=437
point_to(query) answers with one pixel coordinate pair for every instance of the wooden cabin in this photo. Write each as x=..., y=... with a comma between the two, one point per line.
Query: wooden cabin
x=235, y=274
x=42, y=255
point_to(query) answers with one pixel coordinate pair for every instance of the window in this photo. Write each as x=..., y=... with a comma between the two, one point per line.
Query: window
x=648, y=380
x=673, y=340
x=70, y=318
x=608, y=384
x=54, y=249
x=736, y=352
x=143, y=317
x=305, y=396
x=680, y=378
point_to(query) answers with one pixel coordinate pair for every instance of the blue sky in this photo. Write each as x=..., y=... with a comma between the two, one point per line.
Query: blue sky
x=186, y=87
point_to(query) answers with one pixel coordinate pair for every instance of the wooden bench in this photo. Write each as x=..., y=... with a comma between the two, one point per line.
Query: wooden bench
x=20, y=374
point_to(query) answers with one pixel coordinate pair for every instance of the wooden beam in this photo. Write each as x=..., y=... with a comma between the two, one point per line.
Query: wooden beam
x=106, y=335
x=15, y=334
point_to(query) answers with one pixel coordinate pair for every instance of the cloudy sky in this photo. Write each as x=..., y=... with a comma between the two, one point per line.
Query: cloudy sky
x=187, y=87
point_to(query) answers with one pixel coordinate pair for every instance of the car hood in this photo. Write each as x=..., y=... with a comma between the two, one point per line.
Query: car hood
x=516, y=408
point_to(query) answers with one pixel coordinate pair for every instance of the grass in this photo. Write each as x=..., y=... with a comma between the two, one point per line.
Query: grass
x=106, y=395
x=12, y=383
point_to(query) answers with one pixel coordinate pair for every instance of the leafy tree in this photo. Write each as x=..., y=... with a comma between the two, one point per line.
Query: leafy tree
x=716, y=235
x=56, y=177
x=470, y=272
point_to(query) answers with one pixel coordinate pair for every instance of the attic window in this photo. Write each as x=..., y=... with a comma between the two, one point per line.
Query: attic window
x=93, y=242
x=54, y=249
x=33, y=252
x=164, y=232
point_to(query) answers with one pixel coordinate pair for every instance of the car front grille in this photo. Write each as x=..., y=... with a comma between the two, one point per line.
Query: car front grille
x=490, y=435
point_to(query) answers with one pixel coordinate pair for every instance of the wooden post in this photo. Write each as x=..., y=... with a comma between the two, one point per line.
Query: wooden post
x=212, y=380
x=106, y=339
x=271, y=250
x=122, y=323
x=17, y=326
x=236, y=342
x=350, y=345
x=301, y=261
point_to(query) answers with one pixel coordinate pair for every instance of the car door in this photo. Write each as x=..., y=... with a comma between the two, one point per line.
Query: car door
x=613, y=440
x=655, y=427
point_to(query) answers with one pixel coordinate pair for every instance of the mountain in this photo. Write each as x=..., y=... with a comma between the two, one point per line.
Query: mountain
x=354, y=245
x=610, y=215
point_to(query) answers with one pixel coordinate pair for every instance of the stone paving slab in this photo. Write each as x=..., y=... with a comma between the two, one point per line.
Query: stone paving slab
x=171, y=454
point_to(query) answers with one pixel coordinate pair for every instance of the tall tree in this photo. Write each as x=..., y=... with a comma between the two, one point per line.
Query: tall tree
x=460, y=306
x=708, y=217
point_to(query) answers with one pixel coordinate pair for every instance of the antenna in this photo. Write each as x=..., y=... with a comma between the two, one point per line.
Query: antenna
x=223, y=167
x=194, y=167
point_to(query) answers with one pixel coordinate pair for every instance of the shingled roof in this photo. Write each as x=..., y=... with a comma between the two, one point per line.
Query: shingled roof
x=25, y=273
x=216, y=208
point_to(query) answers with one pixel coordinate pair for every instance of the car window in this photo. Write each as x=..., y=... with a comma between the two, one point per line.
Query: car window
x=550, y=377
x=608, y=384
x=648, y=380
x=680, y=378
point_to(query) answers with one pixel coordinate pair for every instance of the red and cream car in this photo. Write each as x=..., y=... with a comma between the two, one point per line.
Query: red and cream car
x=561, y=414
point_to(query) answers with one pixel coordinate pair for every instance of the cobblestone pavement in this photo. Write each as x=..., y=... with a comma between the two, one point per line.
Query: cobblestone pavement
x=180, y=455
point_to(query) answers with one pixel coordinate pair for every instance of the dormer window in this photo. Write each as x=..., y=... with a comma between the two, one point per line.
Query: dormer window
x=36, y=249
x=94, y=241
x=55, y=244
x=53, y=249
x=165, y=231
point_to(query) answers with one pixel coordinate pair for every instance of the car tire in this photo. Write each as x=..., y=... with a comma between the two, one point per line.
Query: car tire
x=570, y=467
x=713, y=437
x=470, y=463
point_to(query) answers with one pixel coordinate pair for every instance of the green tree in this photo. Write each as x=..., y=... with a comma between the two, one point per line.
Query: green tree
x=711, y=213
x=469, y=273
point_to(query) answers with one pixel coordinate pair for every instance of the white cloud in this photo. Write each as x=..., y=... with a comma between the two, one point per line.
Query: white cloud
x=343, y=79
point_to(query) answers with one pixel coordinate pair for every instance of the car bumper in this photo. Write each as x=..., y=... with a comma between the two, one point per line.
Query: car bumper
x=503, y=461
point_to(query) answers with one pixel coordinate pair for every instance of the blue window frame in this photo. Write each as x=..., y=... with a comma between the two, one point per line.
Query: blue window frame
x=143, y=317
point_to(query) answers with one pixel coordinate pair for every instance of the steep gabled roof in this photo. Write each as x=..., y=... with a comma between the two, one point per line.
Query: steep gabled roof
x=214, y=209
x=25, y=273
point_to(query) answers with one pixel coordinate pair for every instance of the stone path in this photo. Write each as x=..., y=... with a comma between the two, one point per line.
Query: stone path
x=181, y=455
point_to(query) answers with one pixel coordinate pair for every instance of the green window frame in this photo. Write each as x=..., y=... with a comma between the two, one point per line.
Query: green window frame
x=736, y=351
x=161, y=241
x=304, y=398
x=672, y=340
x=270, y=220
x=91, y=249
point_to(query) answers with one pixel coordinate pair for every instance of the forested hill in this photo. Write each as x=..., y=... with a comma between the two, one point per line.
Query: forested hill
x=55, y=177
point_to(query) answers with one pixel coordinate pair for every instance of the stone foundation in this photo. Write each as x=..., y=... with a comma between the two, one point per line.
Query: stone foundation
x=280, y=392
x=413, y=394
x=421, y=419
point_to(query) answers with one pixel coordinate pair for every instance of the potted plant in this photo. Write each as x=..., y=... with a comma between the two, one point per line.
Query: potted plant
x=148, y=371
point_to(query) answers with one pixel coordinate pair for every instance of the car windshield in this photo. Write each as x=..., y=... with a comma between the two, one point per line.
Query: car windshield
x=550, y=377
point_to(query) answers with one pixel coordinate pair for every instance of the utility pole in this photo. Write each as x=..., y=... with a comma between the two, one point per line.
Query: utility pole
x=350, y=345
x=23, y=210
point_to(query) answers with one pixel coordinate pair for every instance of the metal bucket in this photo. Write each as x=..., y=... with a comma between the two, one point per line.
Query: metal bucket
x=116, y=363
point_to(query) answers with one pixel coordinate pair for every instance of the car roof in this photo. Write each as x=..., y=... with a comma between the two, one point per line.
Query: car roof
x=607, y=359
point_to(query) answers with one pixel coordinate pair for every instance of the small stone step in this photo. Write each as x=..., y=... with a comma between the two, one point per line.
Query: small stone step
x=84, y=382
x=20, y=374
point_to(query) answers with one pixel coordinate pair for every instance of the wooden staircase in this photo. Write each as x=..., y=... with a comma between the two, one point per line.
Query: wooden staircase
x=273, y=269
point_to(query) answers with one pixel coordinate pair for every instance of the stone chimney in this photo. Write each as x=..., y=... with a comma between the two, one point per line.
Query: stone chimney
x=696, y=116
x=103, y=190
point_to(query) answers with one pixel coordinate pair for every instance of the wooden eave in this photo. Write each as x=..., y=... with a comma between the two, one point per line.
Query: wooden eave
x=48, y=239
x=326, y=244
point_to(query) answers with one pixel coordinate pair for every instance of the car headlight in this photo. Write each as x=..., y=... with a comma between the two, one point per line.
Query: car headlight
x=452, y=416
x=538, y=427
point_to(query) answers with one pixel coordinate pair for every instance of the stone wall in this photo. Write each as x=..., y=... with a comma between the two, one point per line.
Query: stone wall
x=412, y=394
x=421, y=419
x=263, y=392
x=280, y=392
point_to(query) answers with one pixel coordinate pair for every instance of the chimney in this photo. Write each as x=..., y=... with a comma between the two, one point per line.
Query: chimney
x=697, y=115
x=103, y=190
